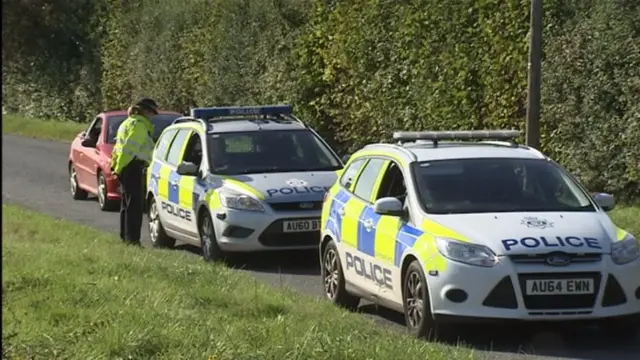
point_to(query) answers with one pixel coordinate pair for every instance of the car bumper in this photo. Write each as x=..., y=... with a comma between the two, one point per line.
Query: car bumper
x=499, y=292
x=244, y=231
x=113, y=189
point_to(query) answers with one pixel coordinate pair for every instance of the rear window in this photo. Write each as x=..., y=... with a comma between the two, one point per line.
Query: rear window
x=160, y=122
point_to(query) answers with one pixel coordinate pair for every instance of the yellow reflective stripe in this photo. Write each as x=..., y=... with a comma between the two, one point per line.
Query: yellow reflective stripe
x=244, y=187
x=400, y=160
x=163, y=181
x=385, y=238
x=350, y=221
x=620, y=234
x=376, y=185
x=212, y=198
x=435, y=229
x=425, y=248
x=185, y=191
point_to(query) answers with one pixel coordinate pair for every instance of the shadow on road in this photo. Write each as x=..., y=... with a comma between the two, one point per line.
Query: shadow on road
x=291, y=262
x=559, y=340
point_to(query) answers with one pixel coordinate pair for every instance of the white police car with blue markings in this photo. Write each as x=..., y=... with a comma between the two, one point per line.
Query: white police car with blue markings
x=447, y=230
x=238, y=179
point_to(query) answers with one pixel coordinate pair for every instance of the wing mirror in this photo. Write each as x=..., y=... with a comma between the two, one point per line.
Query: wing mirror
x=187, y=169
x=88, y=142
x=606, y=201
x=388, y=206
x=345, y=158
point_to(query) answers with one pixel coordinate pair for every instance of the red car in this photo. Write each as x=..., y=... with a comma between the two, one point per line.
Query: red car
x=90, y=157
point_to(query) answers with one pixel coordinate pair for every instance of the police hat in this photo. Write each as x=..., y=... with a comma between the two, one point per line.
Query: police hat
x=148, y=104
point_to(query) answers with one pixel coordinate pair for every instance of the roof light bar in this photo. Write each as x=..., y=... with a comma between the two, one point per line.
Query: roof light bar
x=217, y=112
x=435, y=136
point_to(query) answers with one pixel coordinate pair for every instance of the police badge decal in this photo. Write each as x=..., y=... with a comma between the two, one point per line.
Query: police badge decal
x=534, y=222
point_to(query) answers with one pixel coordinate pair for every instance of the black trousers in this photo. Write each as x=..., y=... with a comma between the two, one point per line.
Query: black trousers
x=131, y=185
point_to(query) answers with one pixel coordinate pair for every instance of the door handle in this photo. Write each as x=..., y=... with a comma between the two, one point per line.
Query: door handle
x=341, y=212
x=368, y=224
x=174, y=183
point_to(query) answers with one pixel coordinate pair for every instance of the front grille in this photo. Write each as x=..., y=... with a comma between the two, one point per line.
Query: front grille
x=553, y=302
x=297, y=206
x=542, y=258
x=273, y=236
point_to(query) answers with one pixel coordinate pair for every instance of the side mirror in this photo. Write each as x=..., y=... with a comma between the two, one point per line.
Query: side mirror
x=345, y=159
x=188, y=169
x=88, y=142
x=388, y=206
x=606, y=201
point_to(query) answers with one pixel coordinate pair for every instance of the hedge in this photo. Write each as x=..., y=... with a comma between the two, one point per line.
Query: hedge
x=357, y=70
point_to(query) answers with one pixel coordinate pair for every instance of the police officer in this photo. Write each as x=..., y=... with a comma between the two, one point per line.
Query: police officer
x=131, y=155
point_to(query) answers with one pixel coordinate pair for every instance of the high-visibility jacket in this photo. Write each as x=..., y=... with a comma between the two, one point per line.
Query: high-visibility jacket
x=133, y=140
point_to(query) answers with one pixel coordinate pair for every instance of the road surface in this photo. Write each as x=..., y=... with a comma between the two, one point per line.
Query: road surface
x=34, y=174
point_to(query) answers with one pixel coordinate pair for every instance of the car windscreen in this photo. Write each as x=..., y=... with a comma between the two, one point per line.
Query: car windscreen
x=160, y=122
x=497, y=185
x=269, y=151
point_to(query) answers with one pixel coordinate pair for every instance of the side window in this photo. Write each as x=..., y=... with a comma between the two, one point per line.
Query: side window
x=392, y=184
x=350, y=173
x=163, y=144
x=367, y=179
x=175, y=151
x=95, y=128
x=193, y=151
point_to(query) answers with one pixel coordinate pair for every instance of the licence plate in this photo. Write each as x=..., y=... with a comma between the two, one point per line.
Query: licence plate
x=292, y=226
x=560, y=287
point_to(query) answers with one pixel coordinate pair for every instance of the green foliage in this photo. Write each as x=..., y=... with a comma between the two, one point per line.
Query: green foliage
x=358, y=70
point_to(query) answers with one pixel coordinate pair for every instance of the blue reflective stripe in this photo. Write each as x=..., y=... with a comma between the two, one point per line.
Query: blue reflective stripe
x=174, y=191
x=155, y=173
x=405, y=239
x=335, y=220
x=367, y=238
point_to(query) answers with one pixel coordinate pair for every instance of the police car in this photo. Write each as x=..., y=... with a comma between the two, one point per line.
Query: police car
x=237, y=179
x=445, y=230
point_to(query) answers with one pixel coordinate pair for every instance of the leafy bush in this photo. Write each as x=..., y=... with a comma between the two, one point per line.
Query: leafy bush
x=355, y=70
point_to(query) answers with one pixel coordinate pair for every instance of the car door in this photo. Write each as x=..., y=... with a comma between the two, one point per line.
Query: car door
x=345, y=227
x=391, y=230
x=363, y=220
x=86, y=163
x=187, y=196
x=169, y=184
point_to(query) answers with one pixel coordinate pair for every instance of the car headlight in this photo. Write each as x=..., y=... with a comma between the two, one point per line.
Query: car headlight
x=240, y=202
x=625, y=251
x=471, y=254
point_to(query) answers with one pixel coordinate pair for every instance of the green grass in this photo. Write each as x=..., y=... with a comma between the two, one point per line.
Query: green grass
x=627, y=218
x=41, y=129
x=73, y=292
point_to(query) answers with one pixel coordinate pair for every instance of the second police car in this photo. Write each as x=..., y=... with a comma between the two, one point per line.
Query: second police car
x=235, y=179
x=456, y=230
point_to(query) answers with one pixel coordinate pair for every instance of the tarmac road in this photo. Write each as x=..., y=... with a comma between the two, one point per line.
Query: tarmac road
x=34, y=174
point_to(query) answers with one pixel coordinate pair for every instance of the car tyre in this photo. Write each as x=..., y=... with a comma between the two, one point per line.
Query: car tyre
x=157, y=234
x=211, y=250
x=417, y=306
x=105, y=204
x=333, y=279
x=625, y=329
x=76, y=192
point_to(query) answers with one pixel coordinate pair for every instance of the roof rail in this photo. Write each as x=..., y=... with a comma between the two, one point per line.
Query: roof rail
x=435, y=136
x=393, y=147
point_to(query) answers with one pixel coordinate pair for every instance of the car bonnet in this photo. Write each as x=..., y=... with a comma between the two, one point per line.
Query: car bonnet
x=533, y=233
x=285, y=187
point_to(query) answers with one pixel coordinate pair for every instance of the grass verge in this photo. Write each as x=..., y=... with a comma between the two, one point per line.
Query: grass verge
x=41, y=129
x=73, y=292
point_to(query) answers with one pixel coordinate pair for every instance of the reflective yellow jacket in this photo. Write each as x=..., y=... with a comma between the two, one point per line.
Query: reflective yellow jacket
x=132, y=141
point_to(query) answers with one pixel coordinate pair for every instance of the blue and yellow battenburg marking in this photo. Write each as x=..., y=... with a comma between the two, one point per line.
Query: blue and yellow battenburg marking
x=384, y=238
